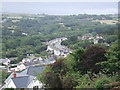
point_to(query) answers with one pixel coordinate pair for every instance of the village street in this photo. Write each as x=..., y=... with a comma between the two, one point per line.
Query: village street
x=55, y=47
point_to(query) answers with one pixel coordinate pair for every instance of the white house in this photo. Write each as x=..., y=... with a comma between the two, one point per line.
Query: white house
x=49, y=48
x=95, y=41
x=23, y=82
x=5, y=61
x=24, y=79
x=21, y=67
x=14, y=68
x=31, y=59
x=98, y=37
x=24, y=34
x=26, y=60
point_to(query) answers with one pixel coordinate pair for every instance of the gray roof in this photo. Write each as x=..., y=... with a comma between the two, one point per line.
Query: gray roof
x=23, y=81
x=35, y=70
x=27, y=72
x=17, y=74
x=4, y=60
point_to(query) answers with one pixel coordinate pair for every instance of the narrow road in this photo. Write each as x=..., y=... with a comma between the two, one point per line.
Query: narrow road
x=55, y=45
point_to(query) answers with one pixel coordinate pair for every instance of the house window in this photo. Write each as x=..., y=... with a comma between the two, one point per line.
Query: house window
x=35, y=88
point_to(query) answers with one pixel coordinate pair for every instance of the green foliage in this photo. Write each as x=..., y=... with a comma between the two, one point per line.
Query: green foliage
x=49, y=78
x=111, y=38
x=85, y=82
x=13, y=61
x=72, y=71
x=104, y=79
x=85, y=60
x=69, y=80
x=113, y=63
x=100, y=83
x=20, y=58
x=55, y=76
x=95, y=80
x=81, y=43
x=101, y=45
x=76, y=59
x=41, y=75
x=70, y=62
x=74, y=43
x=3, y=74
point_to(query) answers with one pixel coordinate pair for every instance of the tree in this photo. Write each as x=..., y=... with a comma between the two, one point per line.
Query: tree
x=74, y=60
x=93, y=55
x=56, y=76
x=85, y=60
x=51, y=77
x=112, y=64
x=3, y=75
x=111, y=38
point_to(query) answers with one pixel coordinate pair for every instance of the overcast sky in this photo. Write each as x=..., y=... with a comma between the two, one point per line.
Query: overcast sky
x=51, y=8
x=60, y=0
x=61, y=8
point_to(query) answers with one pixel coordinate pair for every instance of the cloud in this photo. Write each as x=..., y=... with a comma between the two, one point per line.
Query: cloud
x=60, y=0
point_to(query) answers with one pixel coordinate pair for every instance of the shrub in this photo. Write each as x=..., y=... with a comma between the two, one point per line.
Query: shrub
x=102, y=79
x=100, y=84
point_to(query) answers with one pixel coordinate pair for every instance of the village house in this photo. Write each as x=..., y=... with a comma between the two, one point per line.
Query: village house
x=24, y=79
x=27, y=62
x=31, y=59
x=95, y=39
x=86, y=37
x=98, y=36
x=90, y=36
x=17, y=67
x=5, y=61
x=24, y=34
x=21, y=66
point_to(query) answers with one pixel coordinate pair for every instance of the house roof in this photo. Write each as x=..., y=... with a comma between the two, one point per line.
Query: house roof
x=4, y=60
x=30, y=71
x=23, y=81
x=35, y=70
x=17, y=74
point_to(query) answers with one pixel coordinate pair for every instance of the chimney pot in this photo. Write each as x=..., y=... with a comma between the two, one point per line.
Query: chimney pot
x=14, y=74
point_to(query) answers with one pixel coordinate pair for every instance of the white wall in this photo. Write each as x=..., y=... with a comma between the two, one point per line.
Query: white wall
x=10, y=84
x=35, y=83
x=21, y=67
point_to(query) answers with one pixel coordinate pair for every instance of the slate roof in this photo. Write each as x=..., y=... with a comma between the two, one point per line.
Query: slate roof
x=4, y=60
x=24, y=78
x=27, y=72
x=35, y=70
x=23, y=81
x=17, y=74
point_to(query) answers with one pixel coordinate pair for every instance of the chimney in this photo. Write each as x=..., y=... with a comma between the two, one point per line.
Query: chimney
x=14, y=74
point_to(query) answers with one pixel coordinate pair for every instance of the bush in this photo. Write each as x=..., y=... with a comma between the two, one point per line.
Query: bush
x=102, y=79
x=85, y=82
x=100, y=84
